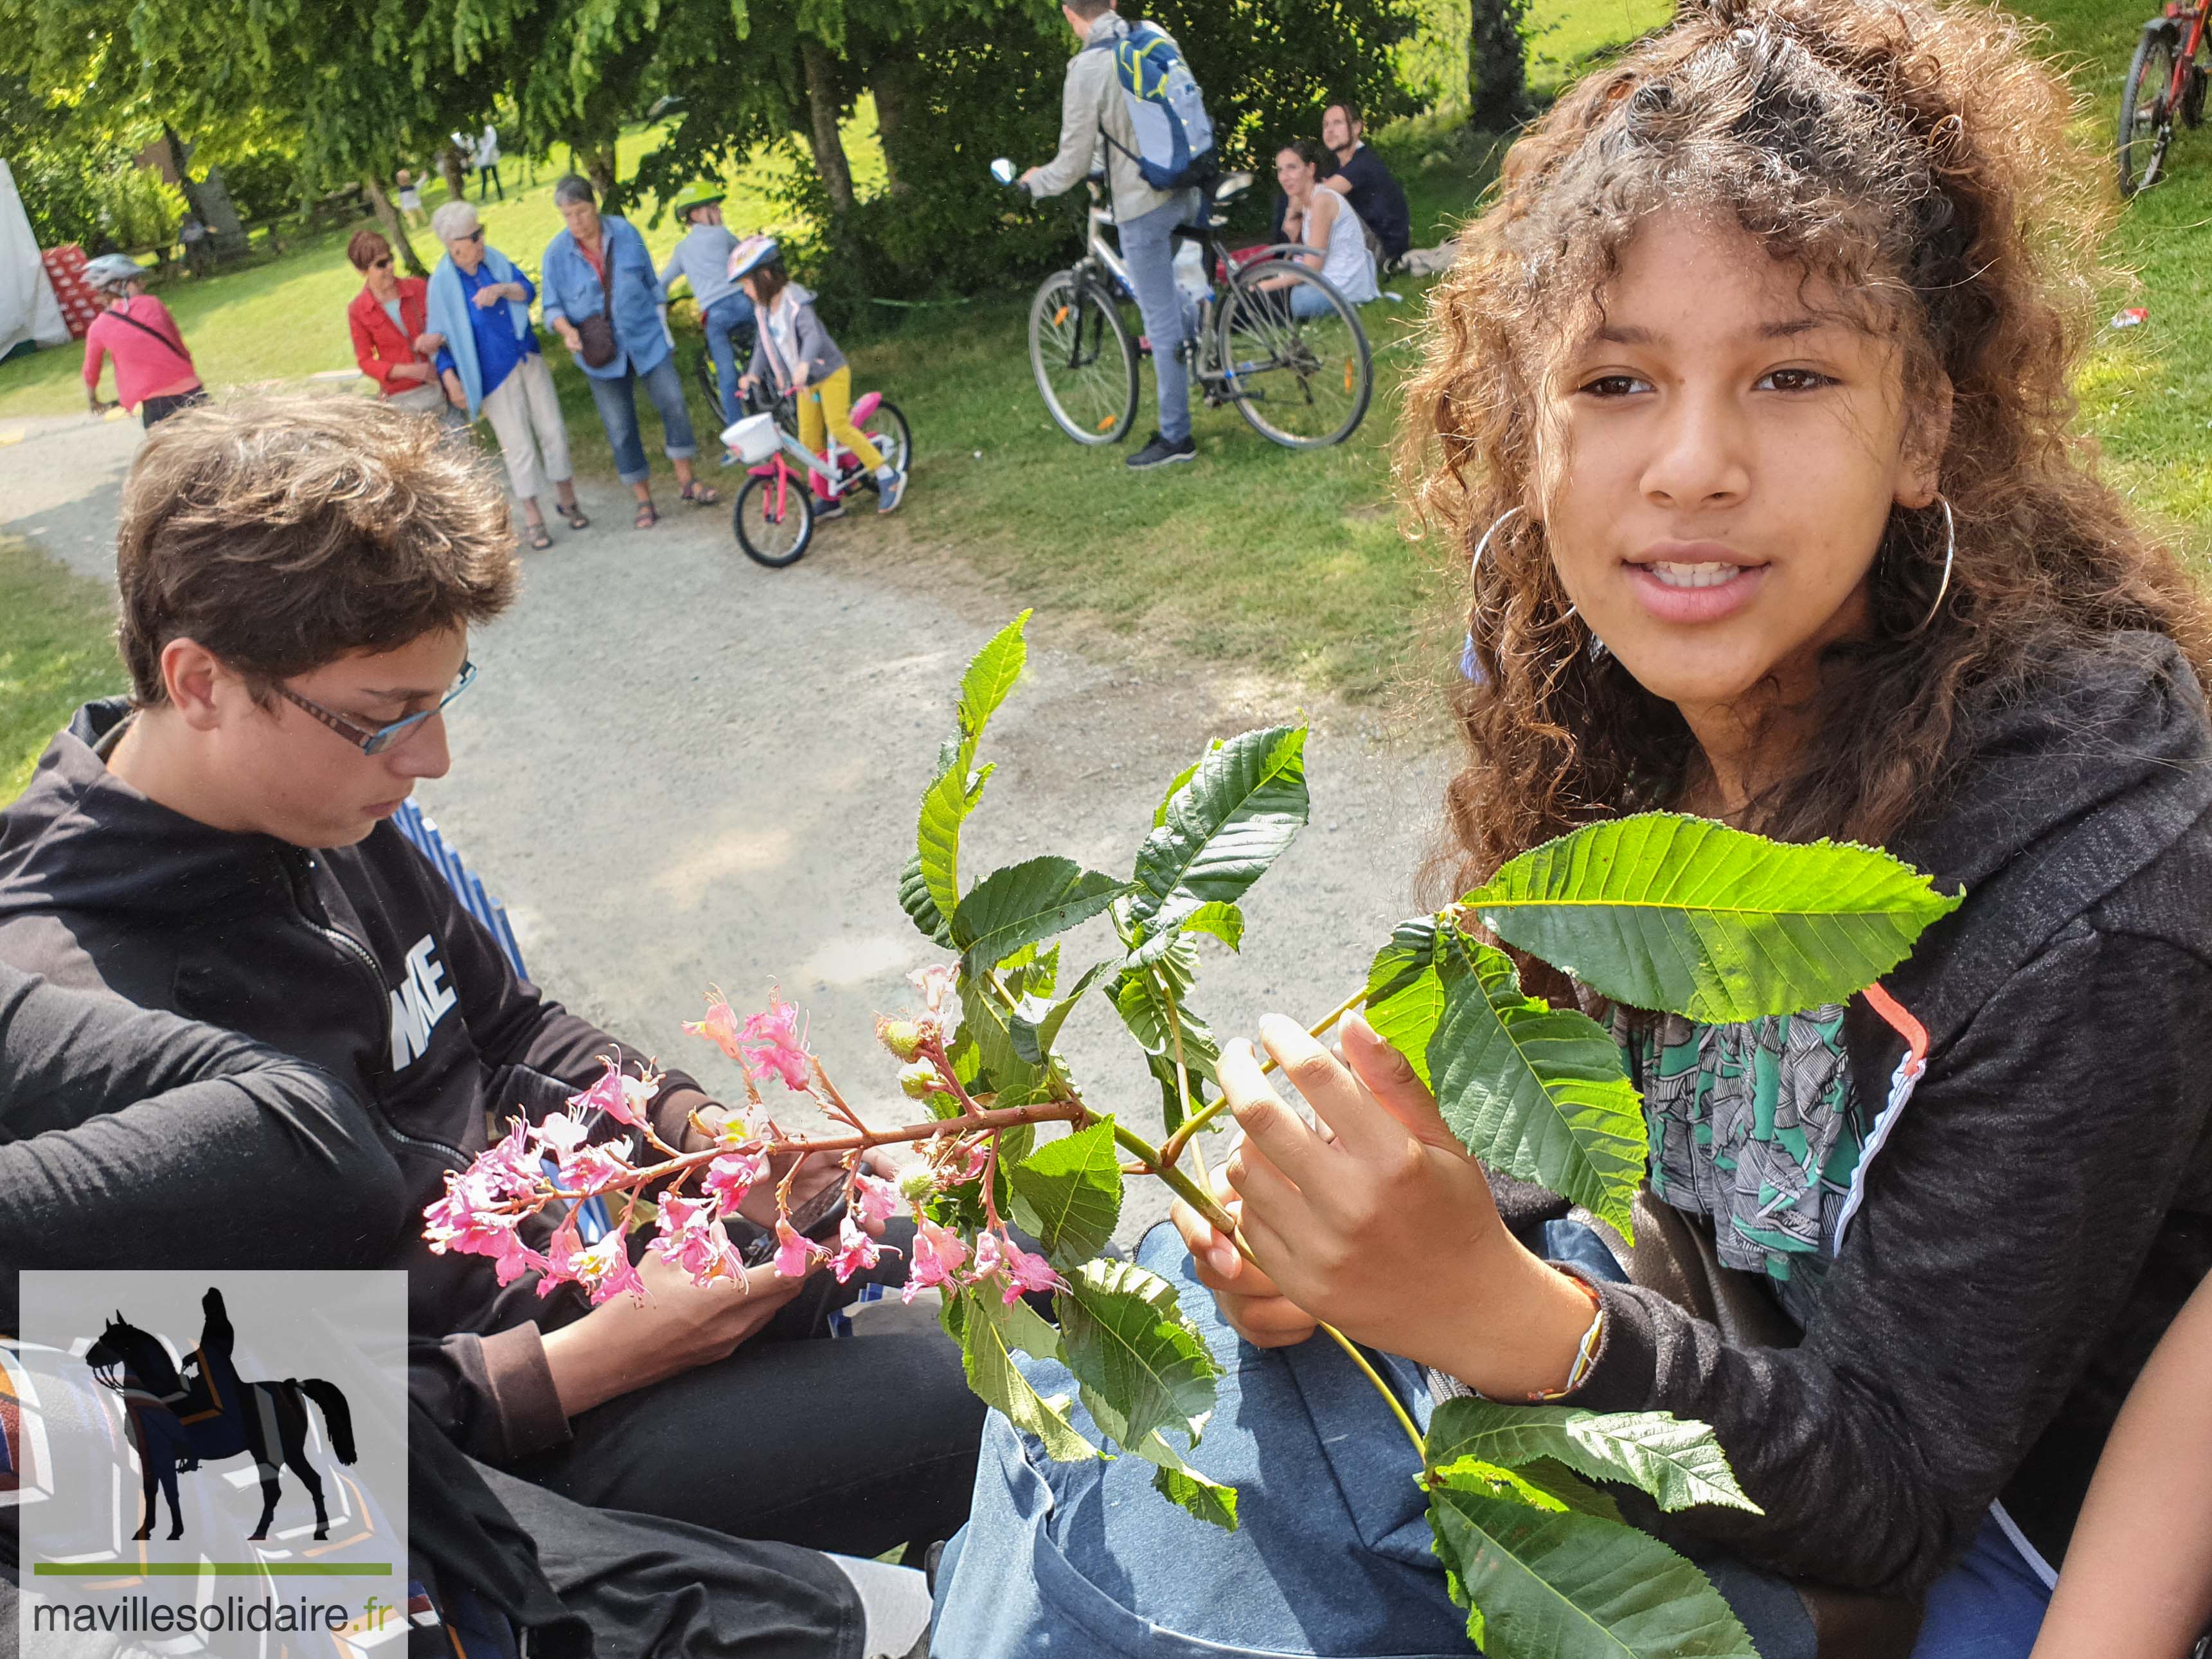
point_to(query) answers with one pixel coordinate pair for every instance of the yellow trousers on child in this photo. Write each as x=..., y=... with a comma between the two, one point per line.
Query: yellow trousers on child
x=830, y=403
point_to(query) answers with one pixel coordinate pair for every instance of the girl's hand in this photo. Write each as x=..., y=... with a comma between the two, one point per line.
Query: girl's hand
x=1247, y=1297
x=1388, y=1231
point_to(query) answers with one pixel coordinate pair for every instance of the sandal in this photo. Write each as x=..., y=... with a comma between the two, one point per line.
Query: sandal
x=539, y=538
x=647, y=516
x=700, y=493
x=573, y=513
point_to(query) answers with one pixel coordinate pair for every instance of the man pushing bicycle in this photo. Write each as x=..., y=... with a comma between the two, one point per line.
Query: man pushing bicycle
x=1153, y=178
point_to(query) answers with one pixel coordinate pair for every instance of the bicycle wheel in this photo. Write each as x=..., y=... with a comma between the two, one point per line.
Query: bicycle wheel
x=1085, y=361
x=1304, y=381
x=887, y=429
x=702, y=371
x=774, y=519
x=2145, y=108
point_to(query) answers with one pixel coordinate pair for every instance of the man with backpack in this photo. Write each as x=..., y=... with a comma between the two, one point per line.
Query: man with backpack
x=1129, y=95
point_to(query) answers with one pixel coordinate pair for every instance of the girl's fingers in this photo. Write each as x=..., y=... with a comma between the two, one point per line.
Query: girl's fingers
x=1338, y=1097
x=1270, y=1125
x=1394, y=1084
x=1219, y=1265
x=1267, y=1193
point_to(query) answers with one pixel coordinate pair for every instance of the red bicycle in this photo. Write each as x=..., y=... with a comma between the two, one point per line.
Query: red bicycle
x=2166, y=85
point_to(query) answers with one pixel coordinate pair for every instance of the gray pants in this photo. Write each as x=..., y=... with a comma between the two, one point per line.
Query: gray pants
x=524, y=413
x=1148, y=249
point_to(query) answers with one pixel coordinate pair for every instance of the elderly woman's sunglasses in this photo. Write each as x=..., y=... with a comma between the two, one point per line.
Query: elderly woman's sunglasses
x=376, y=742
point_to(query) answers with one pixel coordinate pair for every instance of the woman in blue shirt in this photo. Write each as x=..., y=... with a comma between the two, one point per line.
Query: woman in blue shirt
x=603, y=299
x=490, y=364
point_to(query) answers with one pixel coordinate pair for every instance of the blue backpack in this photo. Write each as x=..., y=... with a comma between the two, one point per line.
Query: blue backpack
x=1175, y=136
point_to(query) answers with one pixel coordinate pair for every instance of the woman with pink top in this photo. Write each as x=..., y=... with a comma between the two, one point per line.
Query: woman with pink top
x=153, y=371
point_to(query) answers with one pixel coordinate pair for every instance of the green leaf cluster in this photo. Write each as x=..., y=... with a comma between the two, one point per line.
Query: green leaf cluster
x=1538, y=1555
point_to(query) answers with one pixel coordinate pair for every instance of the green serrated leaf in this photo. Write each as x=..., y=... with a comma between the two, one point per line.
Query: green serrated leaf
x=1068, y=1193
x=1677, y=1460
x=991, y=675
x=1406, y=994
x=1472, y=1474
x=1176, y=1481
x=1569, y=1586
x=945, y=806
x=1223, y=921
x=1160, y=812
x=1534, y=1091
x=1030, y=971
x=920, y=908
x=1243, y=805
x=1129, y=1342
x=1034, y=1026
x=1001, y=1069
x=1664, y=911
x=1139, y=999
x=989, y=1332
x=1024, y=903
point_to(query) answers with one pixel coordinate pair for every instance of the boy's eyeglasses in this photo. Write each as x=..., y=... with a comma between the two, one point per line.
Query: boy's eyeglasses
x=376, y=742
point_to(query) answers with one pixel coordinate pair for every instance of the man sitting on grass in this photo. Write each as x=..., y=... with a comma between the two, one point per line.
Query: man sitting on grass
x=298, y=581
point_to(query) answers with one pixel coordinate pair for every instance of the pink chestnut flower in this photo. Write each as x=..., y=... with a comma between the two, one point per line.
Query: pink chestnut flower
x=938, y=1257
x=1026, y=1271
x=939, y=987
x=691, y=1240
x=734, y=1175
x=594, y=1168
x=719, y=1028
x=794, y=1257
x=875, y=1201
x=623, y=1099
x=773, y=1042
x=561, y=1134
x=986, y=1258
x=855, y=1251
x=605, y=1269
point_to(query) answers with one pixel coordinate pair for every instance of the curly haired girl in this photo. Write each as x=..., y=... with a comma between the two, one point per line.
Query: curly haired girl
x=1748, y=403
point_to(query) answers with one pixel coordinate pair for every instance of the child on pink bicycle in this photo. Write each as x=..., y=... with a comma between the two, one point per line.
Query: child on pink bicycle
x=796, y=356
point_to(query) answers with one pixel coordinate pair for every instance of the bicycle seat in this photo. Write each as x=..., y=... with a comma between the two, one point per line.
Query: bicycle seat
x=1231, y=185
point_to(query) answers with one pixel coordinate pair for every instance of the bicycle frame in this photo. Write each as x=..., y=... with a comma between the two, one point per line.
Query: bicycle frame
x=2198, y=16
x=1105, y=254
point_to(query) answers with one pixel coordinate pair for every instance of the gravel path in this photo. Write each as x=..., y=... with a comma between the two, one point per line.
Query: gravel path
x=679, y=768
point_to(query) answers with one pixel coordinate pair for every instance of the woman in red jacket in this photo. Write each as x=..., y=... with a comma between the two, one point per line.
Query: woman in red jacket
x=392, y=340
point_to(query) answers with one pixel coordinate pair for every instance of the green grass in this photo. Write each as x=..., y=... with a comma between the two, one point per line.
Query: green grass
x=57, y=651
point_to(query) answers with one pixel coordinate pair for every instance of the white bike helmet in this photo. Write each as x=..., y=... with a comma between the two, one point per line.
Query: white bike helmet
x=112, y=270
x=752, y=253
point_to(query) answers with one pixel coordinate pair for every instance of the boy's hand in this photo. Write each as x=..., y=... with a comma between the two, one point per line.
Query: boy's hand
x=623, y=1344
x=1247, y=1297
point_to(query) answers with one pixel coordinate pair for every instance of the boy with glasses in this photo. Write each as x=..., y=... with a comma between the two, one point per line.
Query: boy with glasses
x=298, y=584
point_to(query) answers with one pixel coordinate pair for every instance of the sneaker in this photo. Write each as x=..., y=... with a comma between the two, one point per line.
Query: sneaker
x=730, y=458
x=825, y=511
x=1160, y=452
x=888, y=497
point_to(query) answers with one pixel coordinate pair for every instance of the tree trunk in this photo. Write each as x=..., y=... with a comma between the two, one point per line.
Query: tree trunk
x=449, y=164
x=1497, y=64
x=600, y=168
x=893, y=84
x=395, y=228
x=822, y=110
x=207, y=197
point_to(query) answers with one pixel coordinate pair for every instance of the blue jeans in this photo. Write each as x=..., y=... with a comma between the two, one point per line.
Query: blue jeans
x=730, y=332
x=1332, y=1557
x=1148, y=249
x=617, y=406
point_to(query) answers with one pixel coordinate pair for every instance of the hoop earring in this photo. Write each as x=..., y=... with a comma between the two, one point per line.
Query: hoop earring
x=1469, y=669
x=1950, y=554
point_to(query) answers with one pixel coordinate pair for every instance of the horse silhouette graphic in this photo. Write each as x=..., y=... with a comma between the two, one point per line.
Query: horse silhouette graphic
x=177, y=1420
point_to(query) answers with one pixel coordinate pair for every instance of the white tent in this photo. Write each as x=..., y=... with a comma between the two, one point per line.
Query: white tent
x=29, y=310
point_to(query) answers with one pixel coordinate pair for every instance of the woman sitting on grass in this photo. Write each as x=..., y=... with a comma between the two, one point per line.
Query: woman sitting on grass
x=1323, y=219
x=1749, y=399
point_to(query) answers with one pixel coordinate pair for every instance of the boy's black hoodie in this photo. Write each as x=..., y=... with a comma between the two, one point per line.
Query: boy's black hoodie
x=2038, y=1207
x=358, y=960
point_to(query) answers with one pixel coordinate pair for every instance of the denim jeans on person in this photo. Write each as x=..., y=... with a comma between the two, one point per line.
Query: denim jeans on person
x=1332, y=1557
x=729, y=326
x=617, y=404
x=1308, y=302
x=1148, y=249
